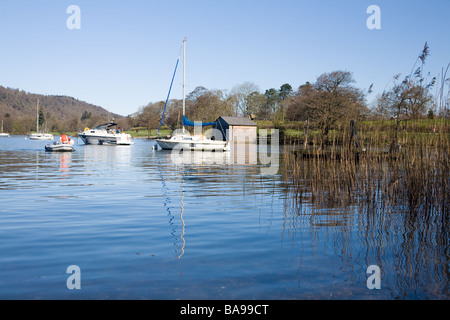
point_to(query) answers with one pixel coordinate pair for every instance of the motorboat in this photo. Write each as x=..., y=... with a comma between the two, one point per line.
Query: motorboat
x=184, y=140
x=40, y=135
x=105, y=134
x=65, y=145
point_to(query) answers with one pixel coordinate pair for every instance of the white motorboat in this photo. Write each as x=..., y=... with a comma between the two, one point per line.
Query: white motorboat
x=65, y=145
x=185, y=141
x=105, y=134
x=3, y=134
x=40, y=135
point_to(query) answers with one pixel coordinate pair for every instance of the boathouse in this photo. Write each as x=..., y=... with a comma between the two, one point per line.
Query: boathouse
x=237, y=129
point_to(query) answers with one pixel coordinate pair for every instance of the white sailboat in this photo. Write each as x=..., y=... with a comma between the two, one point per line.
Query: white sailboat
x=184, y=140
x=3, y=134
x=39, y=135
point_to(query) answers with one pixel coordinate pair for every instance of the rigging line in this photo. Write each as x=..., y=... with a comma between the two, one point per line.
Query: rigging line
x=170, y=89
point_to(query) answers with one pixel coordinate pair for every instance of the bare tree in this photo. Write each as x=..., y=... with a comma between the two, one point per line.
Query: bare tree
x=208, y=105
x=410, y=98
x=239, y=95
x=330, y=100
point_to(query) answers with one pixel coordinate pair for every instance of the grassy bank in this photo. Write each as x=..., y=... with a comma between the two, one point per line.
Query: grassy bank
x=294, y=132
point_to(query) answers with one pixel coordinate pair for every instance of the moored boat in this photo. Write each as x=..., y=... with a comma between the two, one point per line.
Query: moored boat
x=3, y=134
x=65, y=145
x=184, y=140
x=192, y=142
x=105, y=134
x=58, y=147
x=39, y=135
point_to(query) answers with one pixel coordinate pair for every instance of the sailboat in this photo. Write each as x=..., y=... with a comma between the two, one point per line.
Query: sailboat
x=182, y=139
x=39, y=135
x=2, y=134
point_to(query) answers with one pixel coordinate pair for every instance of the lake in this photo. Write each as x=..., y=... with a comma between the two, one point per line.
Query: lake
x=143, y=224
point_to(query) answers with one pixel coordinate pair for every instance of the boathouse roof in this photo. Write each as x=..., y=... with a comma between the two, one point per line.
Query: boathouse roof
x=238, y=121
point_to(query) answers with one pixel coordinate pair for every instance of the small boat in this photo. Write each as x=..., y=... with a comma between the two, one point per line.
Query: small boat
x=40, y=135
x=184, y=140
x=65, y=145
x=105, y=134
x=59, y=147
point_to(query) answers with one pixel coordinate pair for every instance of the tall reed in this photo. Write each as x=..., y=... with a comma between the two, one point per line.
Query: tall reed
x=353, y=170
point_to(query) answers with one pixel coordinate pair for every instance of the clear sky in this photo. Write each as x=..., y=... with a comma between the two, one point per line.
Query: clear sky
x=124, y=55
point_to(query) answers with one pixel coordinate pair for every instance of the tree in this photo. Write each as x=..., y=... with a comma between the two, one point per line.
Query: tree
x=330, y=100
x=239, y=96
x=298, y=106
x=208, y=106
x=86, y=115
x=409, y=99
x=41, y=118
x=272, y=101
x=285, y=91
x=256, y=103
x=197, y=92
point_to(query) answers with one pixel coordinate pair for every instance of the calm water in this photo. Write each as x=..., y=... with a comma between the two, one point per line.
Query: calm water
x=142, y=225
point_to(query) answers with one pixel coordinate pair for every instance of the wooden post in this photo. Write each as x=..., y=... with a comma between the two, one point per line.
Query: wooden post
x=305, y=143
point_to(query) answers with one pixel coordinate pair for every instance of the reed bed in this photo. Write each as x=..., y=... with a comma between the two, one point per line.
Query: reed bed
x=369, y=169
x=395, y=201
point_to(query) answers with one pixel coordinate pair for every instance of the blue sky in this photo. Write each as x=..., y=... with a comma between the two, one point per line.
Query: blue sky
x=123, y=56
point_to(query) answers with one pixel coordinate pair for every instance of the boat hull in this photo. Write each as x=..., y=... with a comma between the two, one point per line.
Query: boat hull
x=59, y=148
x=41, y=136
x=4, y=135
x=107, y=139
x=201, y=145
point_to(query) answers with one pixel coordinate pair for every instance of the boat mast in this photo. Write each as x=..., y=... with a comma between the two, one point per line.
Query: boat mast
x=37, y=117
x=184, y=79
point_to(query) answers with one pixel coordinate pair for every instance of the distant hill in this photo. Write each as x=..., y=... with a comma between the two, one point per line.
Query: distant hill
x=18, y=110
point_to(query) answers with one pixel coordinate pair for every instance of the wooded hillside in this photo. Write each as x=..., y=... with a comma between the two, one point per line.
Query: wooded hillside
x=57, y=113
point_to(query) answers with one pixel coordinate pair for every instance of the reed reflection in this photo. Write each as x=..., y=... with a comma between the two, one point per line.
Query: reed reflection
x=380, y=208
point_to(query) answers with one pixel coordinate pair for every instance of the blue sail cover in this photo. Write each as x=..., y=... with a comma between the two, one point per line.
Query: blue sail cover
x=188, y=123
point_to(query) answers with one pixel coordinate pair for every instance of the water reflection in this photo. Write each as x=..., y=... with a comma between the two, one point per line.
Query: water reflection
x=409, y=243
x=182, y=222
x=237, y=233
x=64, y=159
x=241, y=156
x=25, y=164
x=96, y=154
x=168, y=196
x=210, y=175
